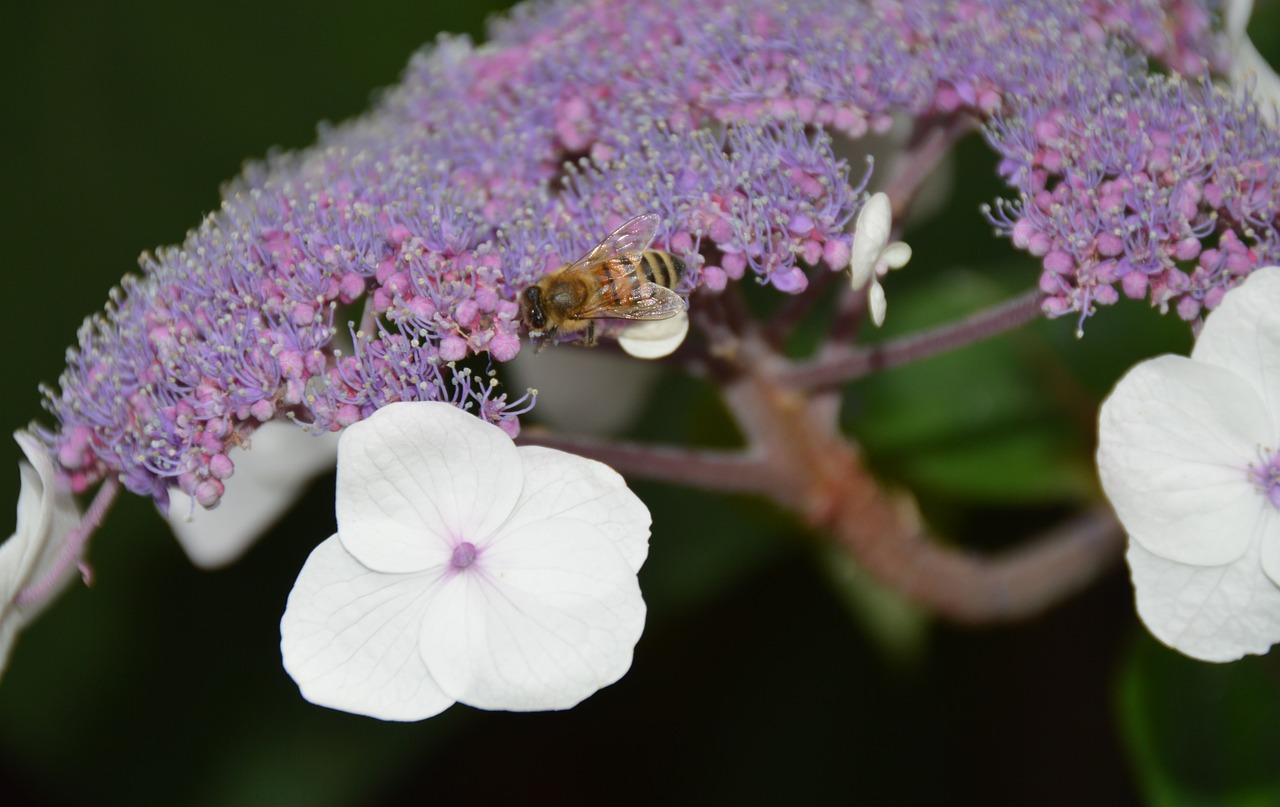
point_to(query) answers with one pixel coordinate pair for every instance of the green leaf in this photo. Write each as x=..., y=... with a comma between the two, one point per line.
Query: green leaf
x=898, y=627
x=1200, y=733
x=984, y=422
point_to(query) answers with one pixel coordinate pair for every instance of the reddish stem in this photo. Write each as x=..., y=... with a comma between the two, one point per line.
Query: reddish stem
x=732, y=471
x=813, y=470
x=73, y=544
x=842, y=365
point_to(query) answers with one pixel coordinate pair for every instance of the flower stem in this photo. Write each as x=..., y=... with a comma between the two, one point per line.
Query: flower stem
x=734, y=471
x=797, y=457
x=842, y=365
x=812, y=469
x=73, y=545
x=930, y=143
x=783, y=323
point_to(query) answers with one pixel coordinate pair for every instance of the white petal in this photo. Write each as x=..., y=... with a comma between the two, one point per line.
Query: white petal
x=549, y=614
x=1175, y=438
x=45, y=515
x=269, y=476
x=1243, y=335
x=1247, y=65
x=874, y=220
x=1213, y=613
x=656, y=338
x=875, y=298
x=870, y=234
x=415, y=478
x=584, y=391
x=896, y=255
x=562, y=485
x=349, y=638
x=1235, y=17
x=1249, y=69
x=1269, y=543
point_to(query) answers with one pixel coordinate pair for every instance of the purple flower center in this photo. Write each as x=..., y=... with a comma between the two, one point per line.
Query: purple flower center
x=464, y=554
x=1265, y=475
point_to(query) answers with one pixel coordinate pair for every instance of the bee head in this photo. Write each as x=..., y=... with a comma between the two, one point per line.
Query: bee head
x=531, y=308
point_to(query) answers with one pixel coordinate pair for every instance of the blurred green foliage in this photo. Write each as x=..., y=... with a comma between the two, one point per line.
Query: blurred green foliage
x=767, y=672
x=1202, y=734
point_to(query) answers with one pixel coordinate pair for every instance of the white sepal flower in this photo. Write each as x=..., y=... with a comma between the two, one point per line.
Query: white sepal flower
x=466, y=570
x=587, y=392
x=1248, y=68
x=270, y=474
x=655, y=338
x=46, y=513
x=872, y=255
x=1187, y=456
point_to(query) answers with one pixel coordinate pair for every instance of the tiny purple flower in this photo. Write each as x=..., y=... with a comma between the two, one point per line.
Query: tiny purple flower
x=1265, y=475
x=464, y=554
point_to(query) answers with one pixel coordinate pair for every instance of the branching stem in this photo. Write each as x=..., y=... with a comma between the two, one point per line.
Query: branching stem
x=797, y=457
x=731, y=471
x=848, y=364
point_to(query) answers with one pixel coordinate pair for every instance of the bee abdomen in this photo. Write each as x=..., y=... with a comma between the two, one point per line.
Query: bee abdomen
x=662, y=268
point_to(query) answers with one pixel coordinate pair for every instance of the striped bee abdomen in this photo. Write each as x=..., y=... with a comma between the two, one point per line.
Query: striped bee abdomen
x=661, y=267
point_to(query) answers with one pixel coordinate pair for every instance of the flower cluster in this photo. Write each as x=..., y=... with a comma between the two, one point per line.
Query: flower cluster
x=1148, y=186
x=370, y=284
x=1176, y=33
x=488, y=166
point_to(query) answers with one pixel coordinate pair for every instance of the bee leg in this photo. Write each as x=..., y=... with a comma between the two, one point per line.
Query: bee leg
x=541, y=339
x=590, y=341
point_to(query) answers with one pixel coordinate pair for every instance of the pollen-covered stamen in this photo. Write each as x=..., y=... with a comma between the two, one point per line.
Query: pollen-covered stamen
x=464, y=554
x=1265, y=475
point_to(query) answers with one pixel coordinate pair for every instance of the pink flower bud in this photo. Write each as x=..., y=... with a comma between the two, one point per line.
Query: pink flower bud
x=453, y=348
x=836, y=252
x=504, y=346
x=208, y=493
x=263, y=410
x=350, y=288
x=221, y=467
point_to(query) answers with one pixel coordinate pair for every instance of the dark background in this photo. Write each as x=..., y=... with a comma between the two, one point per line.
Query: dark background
x=754, y=682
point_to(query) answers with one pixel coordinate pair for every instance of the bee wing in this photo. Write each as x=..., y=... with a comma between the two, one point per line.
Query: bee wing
x=645, y=301
x=631, y=238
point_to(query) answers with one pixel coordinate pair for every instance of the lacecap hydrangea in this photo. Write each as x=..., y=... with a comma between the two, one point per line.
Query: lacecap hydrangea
x=384, y=264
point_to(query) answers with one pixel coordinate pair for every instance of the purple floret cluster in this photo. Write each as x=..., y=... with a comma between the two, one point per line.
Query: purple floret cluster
x=1143, y=186
x=380, y=264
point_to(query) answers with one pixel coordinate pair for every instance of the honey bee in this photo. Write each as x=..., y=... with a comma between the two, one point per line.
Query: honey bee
x=620, y=279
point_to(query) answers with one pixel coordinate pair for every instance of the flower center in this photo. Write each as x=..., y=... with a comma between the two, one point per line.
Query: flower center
x=1265, y=475
x=464, y=554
